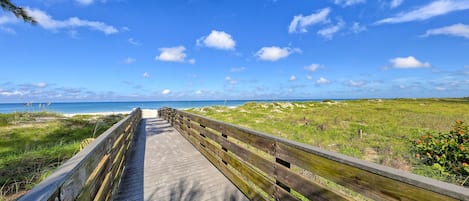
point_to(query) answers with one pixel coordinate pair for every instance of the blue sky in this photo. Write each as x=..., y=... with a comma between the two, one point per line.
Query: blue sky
x=120, y=50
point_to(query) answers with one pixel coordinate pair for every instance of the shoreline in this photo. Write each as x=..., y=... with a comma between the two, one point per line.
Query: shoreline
x=147, y=112
x=95, y=113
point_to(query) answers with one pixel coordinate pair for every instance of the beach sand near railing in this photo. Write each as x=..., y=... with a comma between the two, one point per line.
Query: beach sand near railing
x=146, y=113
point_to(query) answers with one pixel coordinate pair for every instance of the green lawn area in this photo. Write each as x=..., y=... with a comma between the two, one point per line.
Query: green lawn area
x=380, y=131
x=33, y=145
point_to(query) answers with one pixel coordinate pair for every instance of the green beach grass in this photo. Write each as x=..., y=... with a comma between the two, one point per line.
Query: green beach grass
x=376, y=130
x=33, y=145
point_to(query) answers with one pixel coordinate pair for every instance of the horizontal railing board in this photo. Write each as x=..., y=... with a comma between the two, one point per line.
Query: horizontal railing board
x=308, y=188
x=376, y=181
x=67, y=182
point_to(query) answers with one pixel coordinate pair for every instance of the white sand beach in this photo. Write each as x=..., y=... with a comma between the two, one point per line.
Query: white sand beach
x=146, y=113
x=96, y=113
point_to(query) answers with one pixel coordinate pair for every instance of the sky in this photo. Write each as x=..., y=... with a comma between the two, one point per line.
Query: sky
x=122, y=50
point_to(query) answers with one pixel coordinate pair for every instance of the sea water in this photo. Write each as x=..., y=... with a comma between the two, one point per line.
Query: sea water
x=90, y=107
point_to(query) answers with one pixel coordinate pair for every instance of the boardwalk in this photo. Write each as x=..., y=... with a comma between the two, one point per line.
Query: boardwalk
x=165, y=166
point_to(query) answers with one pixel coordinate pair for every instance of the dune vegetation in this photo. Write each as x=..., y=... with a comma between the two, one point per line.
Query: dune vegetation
x=388, y=132
x=33, y=145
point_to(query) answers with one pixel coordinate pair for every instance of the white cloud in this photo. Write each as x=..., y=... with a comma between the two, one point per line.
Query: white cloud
x=328, y=33
x=218, y=40
x=133, y=42
x=440, y=88
x=396, y=3
x=322, y=80
x=309, y=77
x=84, y=2
x=172, y=54
x=348, y=2
x=129, y=60
x=292, y=78
x=146, y=75
x=357, y=28
x=436, y=8
x=300, y=22
x=312, y=67
x=230, y=80
x=13, y=93
x=237, y=69
x=275, y=53
x=198, y=92
x=352, y=83
x=191, y=61
x=8, y=19
x=166, y=91
x=46, y=22
x=41, y=84
x=408, y=62
x=460, y=30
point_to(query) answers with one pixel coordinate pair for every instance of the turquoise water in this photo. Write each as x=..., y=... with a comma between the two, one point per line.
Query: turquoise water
x=88, y=107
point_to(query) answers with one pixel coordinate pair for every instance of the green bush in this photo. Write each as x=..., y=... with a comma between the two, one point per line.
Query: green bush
x=446, y=152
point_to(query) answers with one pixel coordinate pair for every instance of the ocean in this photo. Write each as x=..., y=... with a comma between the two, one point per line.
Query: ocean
x=90, y=107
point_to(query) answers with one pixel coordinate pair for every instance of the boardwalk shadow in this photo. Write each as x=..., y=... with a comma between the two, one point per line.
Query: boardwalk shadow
x=188, y=191
x=158, y=126
x=131, y=187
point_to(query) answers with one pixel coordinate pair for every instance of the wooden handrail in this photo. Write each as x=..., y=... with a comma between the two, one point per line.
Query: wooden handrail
x=260, y=165
x=95, y=172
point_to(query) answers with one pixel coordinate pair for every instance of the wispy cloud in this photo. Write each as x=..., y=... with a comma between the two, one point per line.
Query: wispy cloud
x=275, y=53
x=322, y=80
x=300, y=22
x=312, y=67
x=47, y=22
x=172, y=54
x=436, y=8
x=460, y=30
x=146, y=75
x=218, y=40
x=8, y=19
x=348, y=2
x=359, y=83
x=408, y=62
x=132, y=41
x=166, y=92
x=237, y=69
x=7, y=30
x=230, y=80
x=41, y=84
x=12, y=92
x=129, y=60
x=292, y=78
x=84, y=2
x=395, y=3
x=328, y=32
x=357, y=28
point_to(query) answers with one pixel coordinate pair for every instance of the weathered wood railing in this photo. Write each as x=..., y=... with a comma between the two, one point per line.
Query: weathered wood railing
x=266, y=167
x=95, y=172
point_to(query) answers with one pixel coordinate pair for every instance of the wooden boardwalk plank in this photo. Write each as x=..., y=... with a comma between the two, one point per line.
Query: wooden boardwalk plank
x=163, y=165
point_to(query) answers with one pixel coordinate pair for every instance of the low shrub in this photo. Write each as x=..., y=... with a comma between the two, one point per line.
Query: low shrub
x=446, y=152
